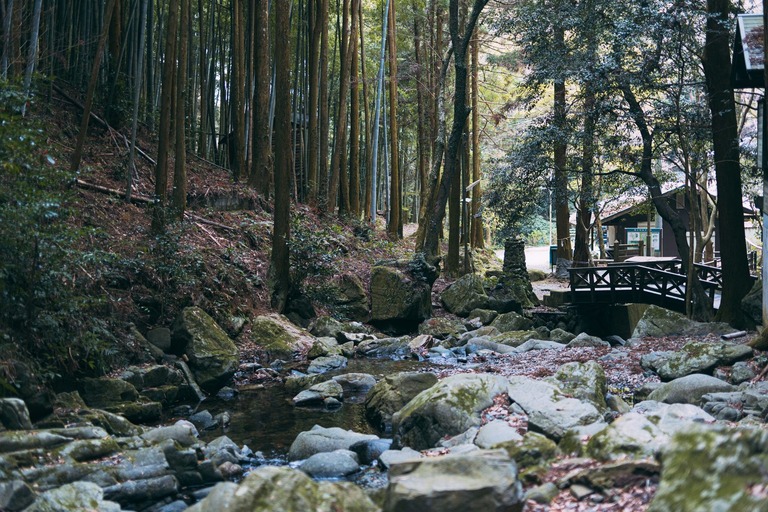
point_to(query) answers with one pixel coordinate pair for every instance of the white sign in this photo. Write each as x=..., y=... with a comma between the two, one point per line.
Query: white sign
x=634, y=235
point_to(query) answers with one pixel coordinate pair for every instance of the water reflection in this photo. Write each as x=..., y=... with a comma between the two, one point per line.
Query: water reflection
x=266, y=420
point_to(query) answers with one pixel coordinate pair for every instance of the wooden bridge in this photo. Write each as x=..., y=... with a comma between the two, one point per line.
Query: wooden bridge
x=650, y=281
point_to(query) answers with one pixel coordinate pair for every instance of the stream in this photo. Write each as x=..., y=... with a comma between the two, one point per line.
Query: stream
x=266, y=420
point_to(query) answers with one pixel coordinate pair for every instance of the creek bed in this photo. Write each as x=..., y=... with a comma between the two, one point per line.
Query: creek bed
x=267, y=421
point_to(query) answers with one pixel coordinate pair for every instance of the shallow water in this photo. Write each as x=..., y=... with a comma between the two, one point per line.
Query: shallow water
x=266, y=420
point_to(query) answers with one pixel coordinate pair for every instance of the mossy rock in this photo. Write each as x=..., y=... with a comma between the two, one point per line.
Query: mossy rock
x=514, y=338
x=270, y=488
x=391, y=393
x=446, y=409
x=279, y=337
x=659, y=322
x=213, y=356
x=106, y=392
x=511, y=322
x=713, y=469
x=465, y=295
x=585, y=381
x=534, y=450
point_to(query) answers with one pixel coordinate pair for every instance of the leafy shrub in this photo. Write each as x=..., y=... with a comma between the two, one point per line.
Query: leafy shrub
x=314, y=249
x=44, y=306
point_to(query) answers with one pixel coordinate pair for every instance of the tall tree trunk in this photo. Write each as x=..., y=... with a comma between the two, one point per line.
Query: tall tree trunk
x=237, y=87
x=315, y=27
x=166, y=99
x=180, y=122
x=337, y=182
x=279, y=266
x=78, y=153
x=422, y=130
x=562, y=211
x=5, y=59
x=581, y=254
x=261, y=172
x=354, y=118
x=395, y=225
x=477, y=240
x=138, y=73
x=366, y=207
x=204, y=57
x=460, y=113
x=377, y=114
x=32, y=50
x=322, y=169
x=725, y=139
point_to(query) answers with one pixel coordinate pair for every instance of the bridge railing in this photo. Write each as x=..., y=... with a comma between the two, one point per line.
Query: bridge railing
x=632, y=283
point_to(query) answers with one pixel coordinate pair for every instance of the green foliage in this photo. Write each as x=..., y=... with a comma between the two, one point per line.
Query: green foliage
x=43, y=304
x=314, y=249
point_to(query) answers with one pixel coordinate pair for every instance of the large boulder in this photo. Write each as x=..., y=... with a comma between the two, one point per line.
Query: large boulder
x=689, y=389
x=391, y=393
x=270, y=488
x=320, y=439
x=448, y=408
x=695, y=357
x=455, y=483
x=465, y=295
x=14, y=414
x=585, y=381
x=511, y=322
x=213, y=356
x=350, y=298
x=658, y=322
x=401, y=293
x=550, y=411
x=280, y=338
x=714, y=469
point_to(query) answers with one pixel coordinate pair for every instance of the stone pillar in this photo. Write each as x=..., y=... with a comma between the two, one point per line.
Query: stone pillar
x=515, y=282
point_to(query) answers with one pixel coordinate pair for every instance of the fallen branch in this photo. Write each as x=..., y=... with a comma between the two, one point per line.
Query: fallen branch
x=210, y=235
x=101, y=122
x=114, y=192
x=203, y=220
x=733, y=335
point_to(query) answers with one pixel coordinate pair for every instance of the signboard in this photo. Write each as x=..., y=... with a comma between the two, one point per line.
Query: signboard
x=634, y=235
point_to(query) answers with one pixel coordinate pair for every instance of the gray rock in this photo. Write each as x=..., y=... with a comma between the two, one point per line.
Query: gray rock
x=486, y=316
x=14, y=414
x=13, y=441
x=542, y=494
x=390, y=457
x=695, y=357
x=320, y=439
x=401, y=293
x=561, y=336
x=370, y=450
x=741, y=372
x=585, y=381
x=483, y=343
x=455, y=483
x=659, y=322
x=448, y=408
x=107, y=392
x=287, y=490
x=511, y=322
x=213, y=356
x=326, y=364
x=317, y=394
x=689, y=389
x=15, y=495
x=485, y=331
x=78, y=496
x=325, y=346
x=549, y=410
x=203, y=420
x=540, y=345
x=713, y=469
x=496, y=432
x=160, y=337
x=182, y=432
x=465, y=295
x=326, y=327
x=391, y=393
x=384, y=347
x=584, y=340
x=442, y=328
x=334, y=464
x=142, y=491
x=355, y=383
